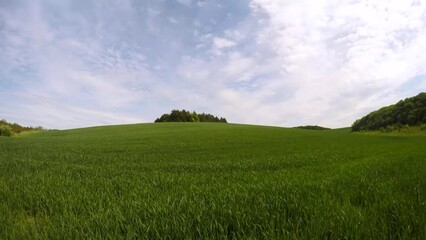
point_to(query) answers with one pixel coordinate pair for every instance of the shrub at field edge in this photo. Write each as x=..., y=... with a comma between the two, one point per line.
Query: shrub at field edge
x=6, y=130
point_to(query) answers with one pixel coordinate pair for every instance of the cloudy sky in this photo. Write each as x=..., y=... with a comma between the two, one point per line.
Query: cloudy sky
x=76, y=63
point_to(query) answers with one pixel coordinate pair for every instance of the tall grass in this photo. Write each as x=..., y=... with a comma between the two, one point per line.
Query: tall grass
x=212, y=181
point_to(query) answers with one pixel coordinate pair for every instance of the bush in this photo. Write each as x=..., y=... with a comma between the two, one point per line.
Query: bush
x=389, y=128
x=16, y=128
x=6, y=130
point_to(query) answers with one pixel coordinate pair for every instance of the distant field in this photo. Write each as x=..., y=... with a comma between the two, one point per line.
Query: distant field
x=212, y=181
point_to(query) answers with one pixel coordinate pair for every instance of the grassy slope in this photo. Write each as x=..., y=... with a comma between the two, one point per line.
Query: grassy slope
x=183, y=180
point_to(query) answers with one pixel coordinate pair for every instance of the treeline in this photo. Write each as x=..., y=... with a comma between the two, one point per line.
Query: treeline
x=187, y=116
x=312, y=127
x=8, y=129
x=408, y=112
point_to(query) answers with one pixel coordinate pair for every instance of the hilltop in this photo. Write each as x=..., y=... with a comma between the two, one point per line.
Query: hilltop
x=187, y=116
x=408, y=112
x=312, y=127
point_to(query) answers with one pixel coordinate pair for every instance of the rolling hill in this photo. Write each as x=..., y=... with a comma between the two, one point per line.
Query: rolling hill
x=212, y=181
x=409, y=112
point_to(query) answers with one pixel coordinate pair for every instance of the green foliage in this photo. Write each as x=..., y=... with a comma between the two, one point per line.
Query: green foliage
x=195, y=117
x=204, y=117
x=313, y=127
x=5, y=130
x=163, y=118
x=408, y=112
x=186, y=116
x=16, y=128
x=211, y=181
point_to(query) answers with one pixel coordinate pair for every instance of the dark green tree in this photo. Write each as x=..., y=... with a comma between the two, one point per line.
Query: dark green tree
x=187, y=116
x=411, y=112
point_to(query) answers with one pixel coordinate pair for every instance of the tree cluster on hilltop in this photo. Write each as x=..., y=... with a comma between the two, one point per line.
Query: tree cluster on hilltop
x=312, y=127
x=411, y=112
x=187, y=116
x=8, y=129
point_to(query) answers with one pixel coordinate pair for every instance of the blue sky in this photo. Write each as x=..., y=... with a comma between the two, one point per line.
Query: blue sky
x=74, y=63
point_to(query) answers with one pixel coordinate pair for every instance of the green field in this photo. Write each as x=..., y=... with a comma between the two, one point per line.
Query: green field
x=212, y=181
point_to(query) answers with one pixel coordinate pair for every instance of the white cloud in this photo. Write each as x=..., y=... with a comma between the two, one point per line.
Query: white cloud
x=153, y=12
x=220, y=44
x=185, y=2
x=314, y=62
x=285, y=62
x=344, y=55
x=223, y=43
x=201, y=3
x=173, y=20
x=60, y=115
x=68, y=82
